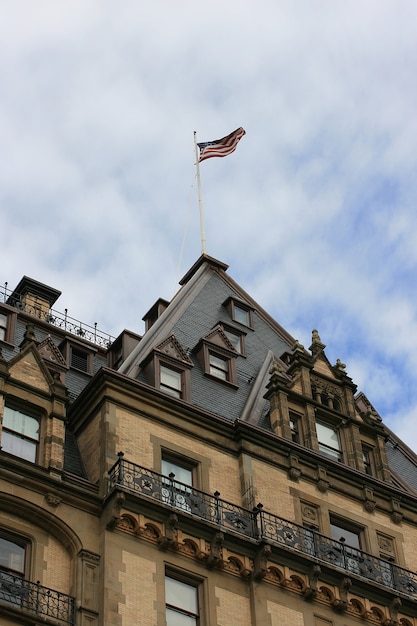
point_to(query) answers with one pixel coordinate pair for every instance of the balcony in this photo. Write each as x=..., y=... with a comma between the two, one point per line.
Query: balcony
x=16, y=592
x=60, y=320
x=260, y=525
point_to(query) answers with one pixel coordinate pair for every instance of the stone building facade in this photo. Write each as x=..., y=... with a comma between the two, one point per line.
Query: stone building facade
x=211, y=471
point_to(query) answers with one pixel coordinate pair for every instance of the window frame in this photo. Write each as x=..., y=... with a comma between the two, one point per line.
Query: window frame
x=295, y=421
x=8, y=326
x=177, y=367
x=368, y=459
x=194, y=584
x=15, y=577
x=233, y=305
x=17, y=435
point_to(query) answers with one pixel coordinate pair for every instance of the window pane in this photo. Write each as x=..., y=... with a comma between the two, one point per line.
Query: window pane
x=181, y=595
x=241, y=315
x=23, y=448
x=182, y=474
x=170, y=381
x=173, y=618
x=351, y=537
x=12, y=556
x=20, y=423
x=327, y=435
x=218, y=367
x=3, y=326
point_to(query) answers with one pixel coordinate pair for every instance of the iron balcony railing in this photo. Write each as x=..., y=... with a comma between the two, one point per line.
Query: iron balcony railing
x=259, y=525
x=36, y=599
x=60, y=320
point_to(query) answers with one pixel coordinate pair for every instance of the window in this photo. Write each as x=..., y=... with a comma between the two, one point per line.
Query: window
x=181, y=602
x=241, y=315
x=79, y=359
x=219, y=366
x=239, y=312
x=170, y=381
x=295, y=428
x=20, y=434
x=347, y=550
x=3, y=327
x=329, y=444
x=367, y=457
x=176, y=488
x=12, y=570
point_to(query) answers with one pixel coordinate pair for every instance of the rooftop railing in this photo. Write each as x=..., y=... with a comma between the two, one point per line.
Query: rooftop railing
x=259, y=525
x=36, y=599
x=60, y=320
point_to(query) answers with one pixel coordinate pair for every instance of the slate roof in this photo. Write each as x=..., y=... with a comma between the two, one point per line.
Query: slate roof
x=198, y=308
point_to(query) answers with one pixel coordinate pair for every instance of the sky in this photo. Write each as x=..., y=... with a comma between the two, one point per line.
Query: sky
x=315, y=212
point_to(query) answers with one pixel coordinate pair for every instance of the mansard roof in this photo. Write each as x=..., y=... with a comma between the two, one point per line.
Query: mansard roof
x=196, y=313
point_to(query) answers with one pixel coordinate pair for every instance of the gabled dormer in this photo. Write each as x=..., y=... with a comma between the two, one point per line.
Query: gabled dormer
x=33, y=404
x=312, y=403
x=217, y=356
x=167, y=368
x=53, y=358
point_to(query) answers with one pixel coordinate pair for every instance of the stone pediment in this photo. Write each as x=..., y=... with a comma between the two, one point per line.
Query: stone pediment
x=28, y=368
x=51, y=355
x=218, y=338
x=171, y=347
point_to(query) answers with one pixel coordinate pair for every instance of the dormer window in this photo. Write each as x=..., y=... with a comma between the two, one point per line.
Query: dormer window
x=217, y=356
x=168, y=368
x=3, y=326
x=170, y=381
x=219, y=366
x=240, y=312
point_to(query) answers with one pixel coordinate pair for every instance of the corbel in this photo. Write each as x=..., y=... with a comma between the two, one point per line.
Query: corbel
x=260, y=568
x=340, y=604
x=396, y=513
x=215, y=558
x=370, y=502
x=294, y=471
x=114, y=515
x=322, y=482
x=310, y=592
x=170, y=540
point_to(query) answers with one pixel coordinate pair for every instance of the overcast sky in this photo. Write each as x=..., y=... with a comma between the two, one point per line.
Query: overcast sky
x=315, y=212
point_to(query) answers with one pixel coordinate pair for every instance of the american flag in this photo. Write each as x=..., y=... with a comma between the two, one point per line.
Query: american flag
x=220, y=147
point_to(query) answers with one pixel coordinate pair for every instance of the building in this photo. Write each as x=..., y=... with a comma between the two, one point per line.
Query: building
x=211, y=471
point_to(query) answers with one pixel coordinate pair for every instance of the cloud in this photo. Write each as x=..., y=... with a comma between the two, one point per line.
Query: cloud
x=314, y=213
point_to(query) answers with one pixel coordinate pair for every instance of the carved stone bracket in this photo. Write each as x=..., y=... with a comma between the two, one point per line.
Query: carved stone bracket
x=261, y=561
x=294, y=472
x=396, y=513
x=114, y=515
x=170, y=540
x=322, y=482
x=369, y=503
x=310, y=592
x=215, y=557
x=340, y=604
x=53, y=500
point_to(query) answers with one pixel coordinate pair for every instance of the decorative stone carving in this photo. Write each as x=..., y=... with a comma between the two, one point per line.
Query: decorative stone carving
x=53, y=500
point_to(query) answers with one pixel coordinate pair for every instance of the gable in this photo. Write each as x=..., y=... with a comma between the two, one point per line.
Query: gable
x=28, y=369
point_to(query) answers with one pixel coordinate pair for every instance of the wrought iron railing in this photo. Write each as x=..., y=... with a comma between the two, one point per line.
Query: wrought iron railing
x=60, y=320
x=259, y=525
x=183, y=497
x=36, y=599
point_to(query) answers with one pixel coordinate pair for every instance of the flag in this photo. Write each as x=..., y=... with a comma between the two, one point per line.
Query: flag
x=220, y=147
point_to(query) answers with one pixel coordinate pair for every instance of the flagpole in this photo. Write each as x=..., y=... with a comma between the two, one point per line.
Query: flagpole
x=200, y=201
